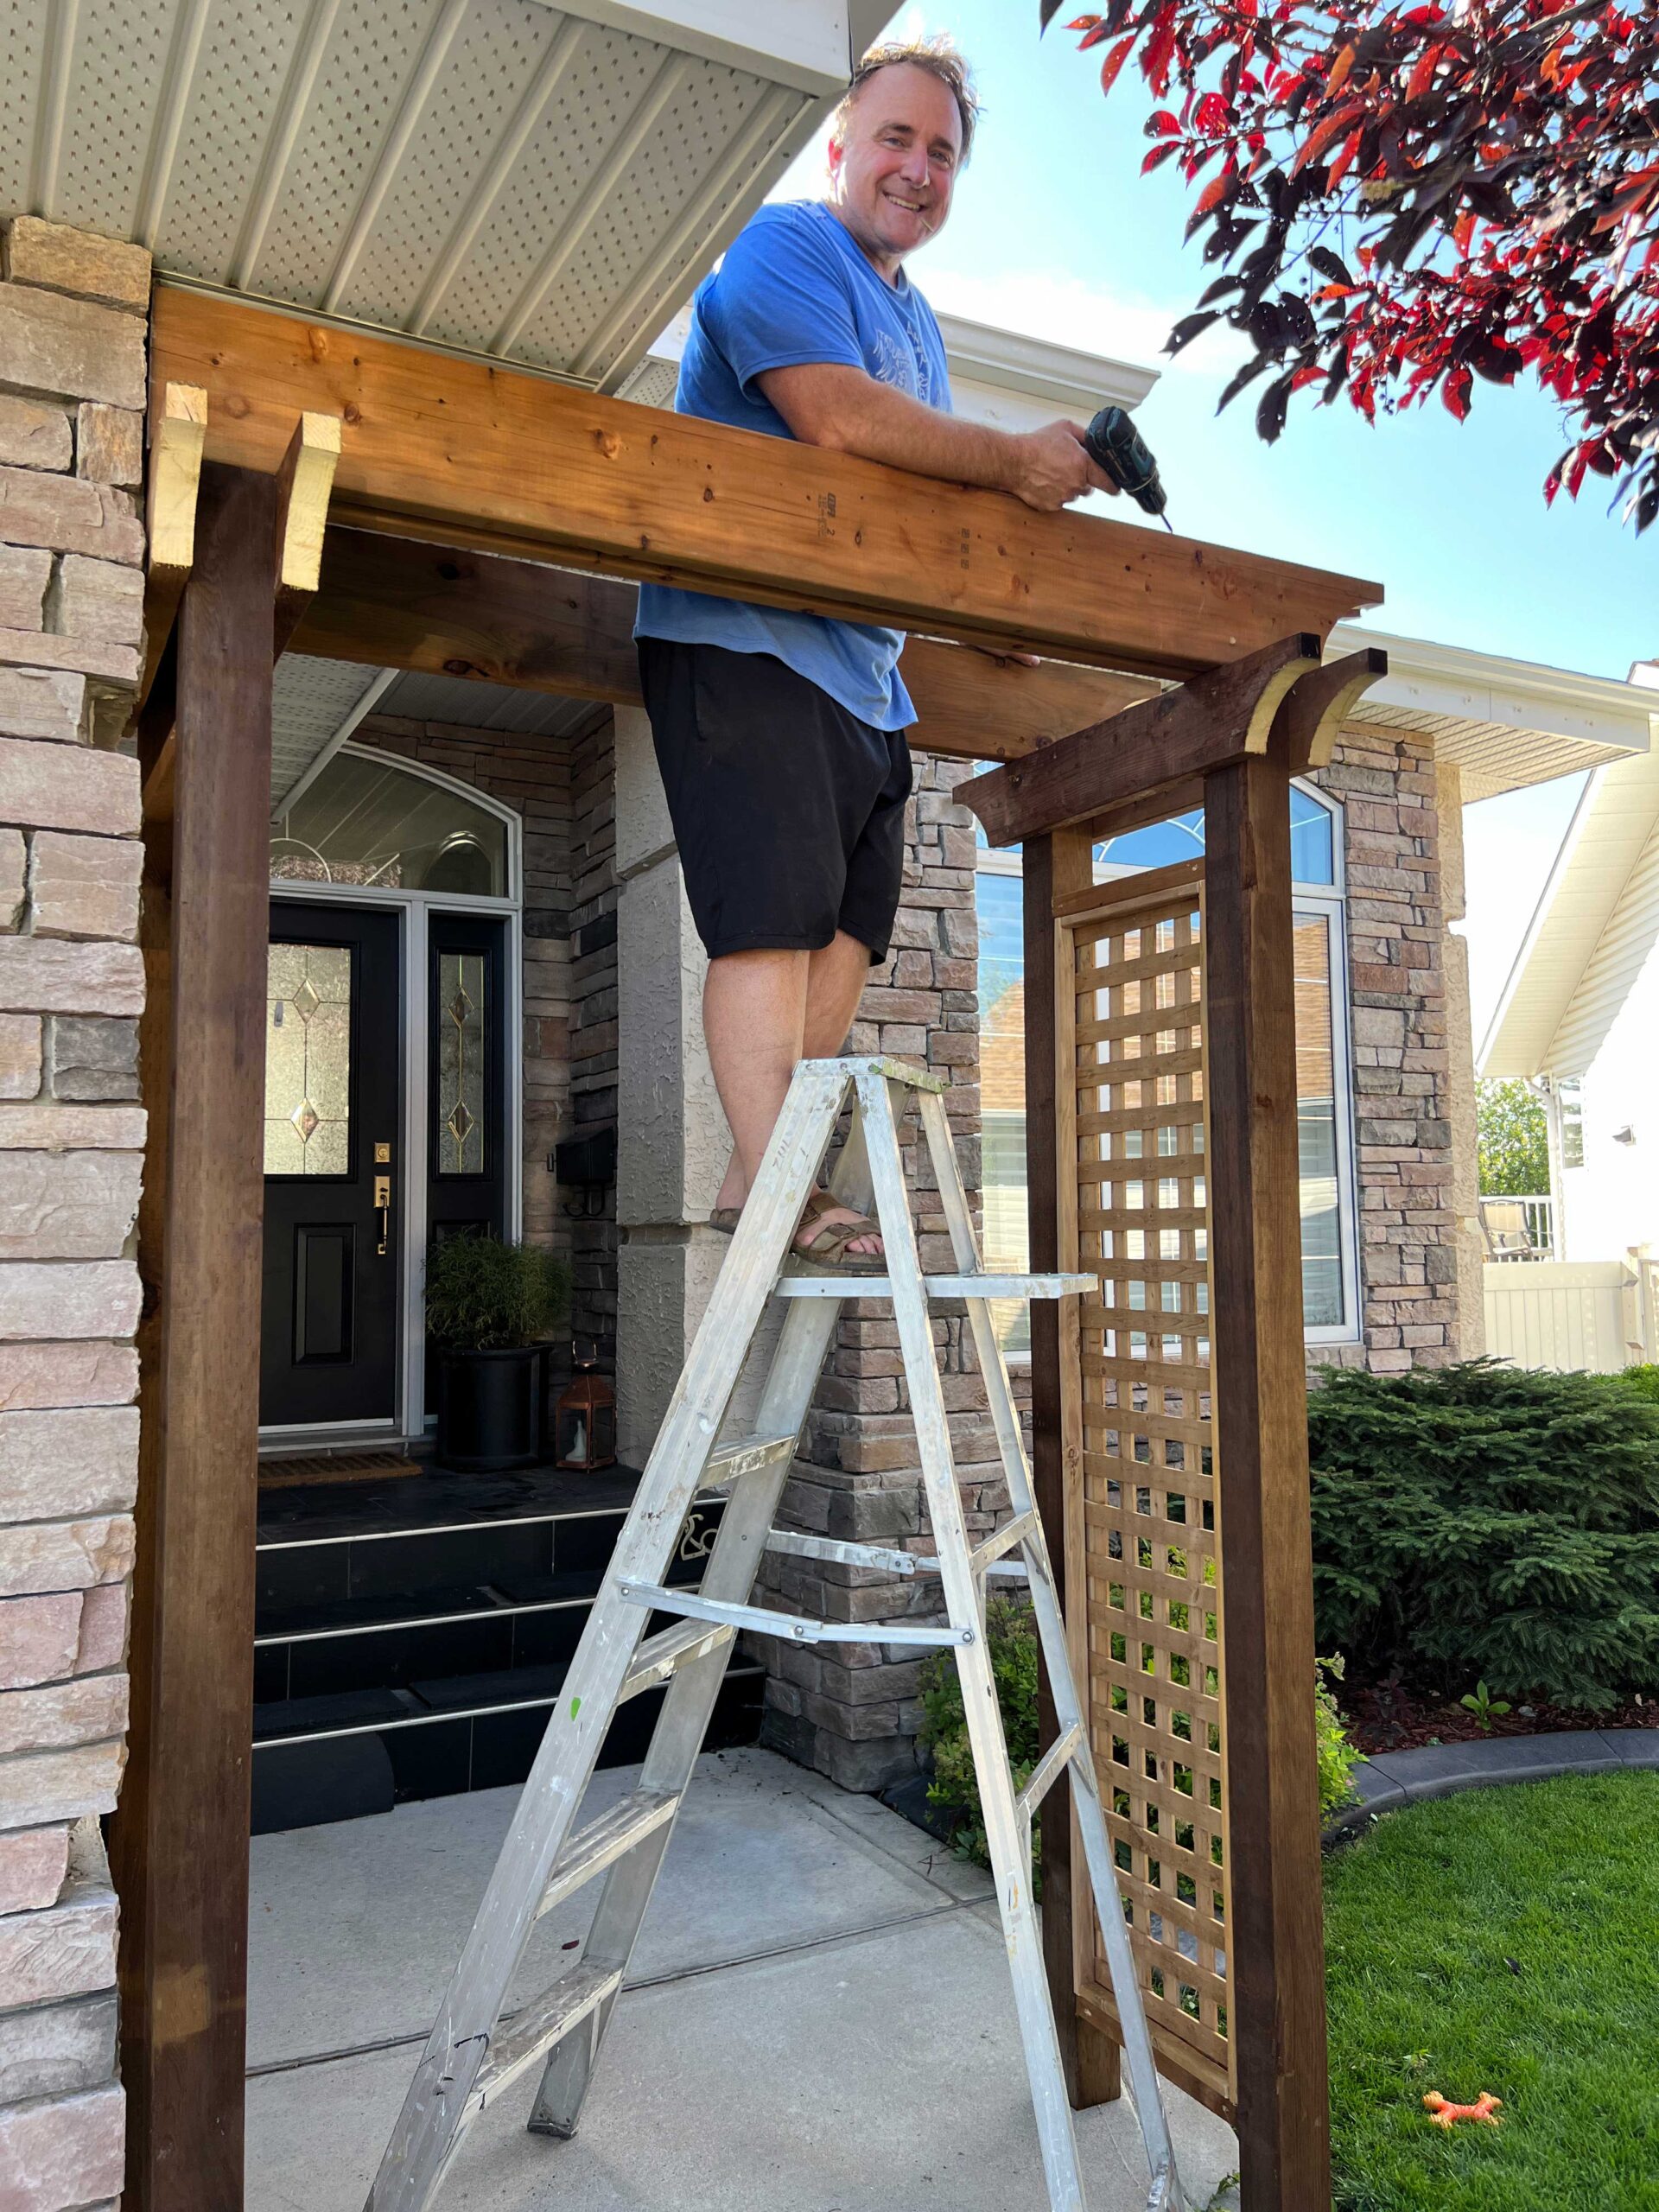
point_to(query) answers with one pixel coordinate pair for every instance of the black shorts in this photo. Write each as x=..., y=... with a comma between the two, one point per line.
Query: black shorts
x=789, y=812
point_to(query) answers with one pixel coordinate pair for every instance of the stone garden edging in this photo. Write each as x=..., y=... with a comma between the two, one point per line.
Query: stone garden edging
x=1391, y=1779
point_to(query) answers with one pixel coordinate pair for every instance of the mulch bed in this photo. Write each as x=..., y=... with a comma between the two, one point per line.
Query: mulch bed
x=1388, y=1718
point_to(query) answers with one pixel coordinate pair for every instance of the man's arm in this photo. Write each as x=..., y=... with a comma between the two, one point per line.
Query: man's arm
x=825, y=404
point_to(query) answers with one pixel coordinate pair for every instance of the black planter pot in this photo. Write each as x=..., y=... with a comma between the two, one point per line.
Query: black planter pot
x=490, y=1409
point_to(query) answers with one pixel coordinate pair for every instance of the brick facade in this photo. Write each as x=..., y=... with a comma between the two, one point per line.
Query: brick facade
x=72, y=391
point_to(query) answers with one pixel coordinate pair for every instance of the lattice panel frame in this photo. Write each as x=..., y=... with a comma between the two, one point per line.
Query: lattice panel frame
x=1144, y=1569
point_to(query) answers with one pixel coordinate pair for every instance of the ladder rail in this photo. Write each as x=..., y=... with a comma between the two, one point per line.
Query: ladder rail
x=1010, y=1862
x=435, y=2111
x=734, y=1562
x=1069, y=1712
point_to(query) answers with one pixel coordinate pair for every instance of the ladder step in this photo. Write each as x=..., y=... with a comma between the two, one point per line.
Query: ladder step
x=730, y=1462
x=592, y=1849
x=1060, y=1754
x=974, y=1285
x=878, y=1556
x=790, y=1626
x=1002, y=1540
x=540, y=2024
x=663, y=1655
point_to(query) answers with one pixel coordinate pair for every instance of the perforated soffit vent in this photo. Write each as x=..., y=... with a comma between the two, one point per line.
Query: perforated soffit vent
x=534, y=184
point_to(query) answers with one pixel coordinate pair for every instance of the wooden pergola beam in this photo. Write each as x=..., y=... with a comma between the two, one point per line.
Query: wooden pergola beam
x=177, y=432
x=473, y=454
x=399, y=602
x=1147, y=750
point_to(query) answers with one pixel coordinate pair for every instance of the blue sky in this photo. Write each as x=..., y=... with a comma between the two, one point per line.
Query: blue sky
x=1055, y=233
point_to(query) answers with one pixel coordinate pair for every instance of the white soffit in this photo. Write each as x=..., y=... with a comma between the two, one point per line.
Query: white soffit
x=535, y=184
x=1504, y=723
x=993, y=374
x=1609, y=830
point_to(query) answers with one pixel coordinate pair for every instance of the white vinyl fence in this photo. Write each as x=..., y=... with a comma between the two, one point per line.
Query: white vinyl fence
x=1600, y=1314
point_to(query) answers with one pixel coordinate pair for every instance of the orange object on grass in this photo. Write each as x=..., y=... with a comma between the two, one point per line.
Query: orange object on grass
x=1446, y=2114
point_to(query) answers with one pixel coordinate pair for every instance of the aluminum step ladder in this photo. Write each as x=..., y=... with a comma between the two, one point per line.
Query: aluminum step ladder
x=473, y=2055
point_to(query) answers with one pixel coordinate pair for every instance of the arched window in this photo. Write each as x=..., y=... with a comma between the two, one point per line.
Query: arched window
x=1323, y=1053
x=371, y=821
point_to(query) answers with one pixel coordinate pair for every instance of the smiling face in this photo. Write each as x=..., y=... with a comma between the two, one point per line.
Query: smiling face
x=893, y=164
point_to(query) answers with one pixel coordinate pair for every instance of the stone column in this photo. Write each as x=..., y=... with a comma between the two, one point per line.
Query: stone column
x=1397, y=942
x=72, y=313
x=671, y=1135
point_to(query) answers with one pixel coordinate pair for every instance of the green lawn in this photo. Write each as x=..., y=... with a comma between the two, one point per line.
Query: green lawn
x=1423, y=1919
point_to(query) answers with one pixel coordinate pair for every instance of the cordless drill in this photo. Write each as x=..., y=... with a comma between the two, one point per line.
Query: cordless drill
x=1113, y=444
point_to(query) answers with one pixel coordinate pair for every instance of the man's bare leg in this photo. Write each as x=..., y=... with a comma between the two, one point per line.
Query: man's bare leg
x=761, y=1012
x=754, y=1024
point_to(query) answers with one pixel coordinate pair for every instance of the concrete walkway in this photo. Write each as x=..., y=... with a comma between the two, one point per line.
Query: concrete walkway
x=819, y=2019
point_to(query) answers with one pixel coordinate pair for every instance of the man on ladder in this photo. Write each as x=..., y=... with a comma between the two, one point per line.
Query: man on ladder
x=780, y=735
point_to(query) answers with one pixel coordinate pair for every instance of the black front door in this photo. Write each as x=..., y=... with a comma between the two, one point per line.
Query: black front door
x=334, y=1174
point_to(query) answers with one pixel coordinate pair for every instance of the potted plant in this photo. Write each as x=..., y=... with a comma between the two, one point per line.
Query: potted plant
x=489, y=1308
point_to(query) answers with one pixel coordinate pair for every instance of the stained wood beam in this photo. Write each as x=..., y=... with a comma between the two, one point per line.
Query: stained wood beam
x=178, y=1838
x=1275, y=1958
x=178, y=429
x=304, y=483
x=399, y=602
x=504, y=462
x=1144, y=751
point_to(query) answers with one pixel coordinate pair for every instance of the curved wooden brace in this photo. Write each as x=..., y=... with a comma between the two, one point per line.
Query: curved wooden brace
x=1227, y=714
x=1311, y=716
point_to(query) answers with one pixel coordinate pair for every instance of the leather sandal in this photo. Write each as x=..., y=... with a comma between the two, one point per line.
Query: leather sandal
x=827, y=1253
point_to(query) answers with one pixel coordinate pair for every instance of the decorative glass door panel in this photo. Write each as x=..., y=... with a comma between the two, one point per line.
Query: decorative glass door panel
x=333, y=1168
x=466, y=1186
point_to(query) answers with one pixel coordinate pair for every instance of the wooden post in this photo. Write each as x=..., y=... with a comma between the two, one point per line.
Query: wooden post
x=1054, y=867
x=180, y=1838
x=1276, y=1953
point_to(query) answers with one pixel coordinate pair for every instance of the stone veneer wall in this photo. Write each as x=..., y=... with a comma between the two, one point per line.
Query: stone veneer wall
x=1412, y=1209
x=72, y=326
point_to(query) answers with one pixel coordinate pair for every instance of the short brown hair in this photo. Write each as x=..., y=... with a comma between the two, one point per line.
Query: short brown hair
x=940, y=57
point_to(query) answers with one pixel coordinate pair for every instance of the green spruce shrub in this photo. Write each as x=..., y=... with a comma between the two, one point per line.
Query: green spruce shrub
x=1493, y=1523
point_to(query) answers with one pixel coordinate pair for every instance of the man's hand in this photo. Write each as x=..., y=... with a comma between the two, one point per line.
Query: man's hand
x=1051, y=468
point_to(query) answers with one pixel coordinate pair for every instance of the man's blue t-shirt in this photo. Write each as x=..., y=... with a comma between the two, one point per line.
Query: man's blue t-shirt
x=795, y=287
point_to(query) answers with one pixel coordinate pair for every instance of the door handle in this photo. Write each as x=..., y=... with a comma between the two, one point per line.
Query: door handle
x=383, y=1207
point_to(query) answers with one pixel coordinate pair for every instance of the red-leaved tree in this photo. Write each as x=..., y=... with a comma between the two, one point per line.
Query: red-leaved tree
x=1400, y=200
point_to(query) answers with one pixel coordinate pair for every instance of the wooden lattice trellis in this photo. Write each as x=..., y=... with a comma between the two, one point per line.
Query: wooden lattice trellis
x=1145, y=1596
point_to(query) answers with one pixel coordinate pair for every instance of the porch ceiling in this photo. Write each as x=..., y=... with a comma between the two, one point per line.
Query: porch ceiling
x=536, y=184
x=316, y=704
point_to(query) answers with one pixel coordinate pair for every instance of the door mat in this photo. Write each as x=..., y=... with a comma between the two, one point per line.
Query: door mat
x=336, y=1467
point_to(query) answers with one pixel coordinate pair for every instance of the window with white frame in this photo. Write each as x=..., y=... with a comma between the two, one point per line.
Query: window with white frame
x=1324, y=1078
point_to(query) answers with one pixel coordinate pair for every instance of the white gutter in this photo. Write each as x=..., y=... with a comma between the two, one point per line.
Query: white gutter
x=1515, y=695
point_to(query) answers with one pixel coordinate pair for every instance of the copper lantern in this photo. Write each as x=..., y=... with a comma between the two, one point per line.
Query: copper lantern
x=584, y=1420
